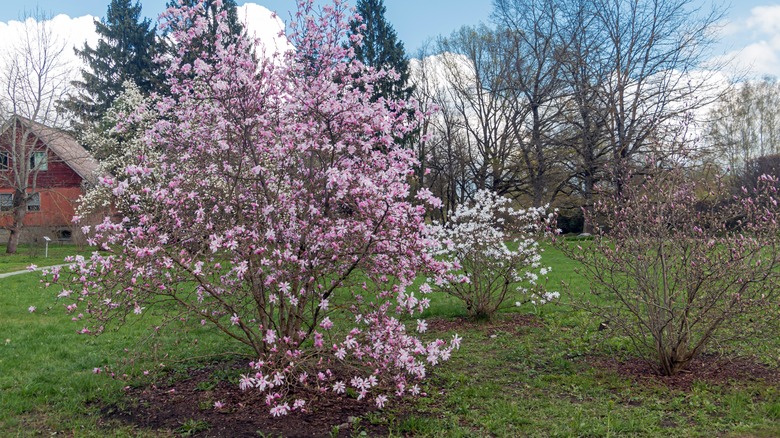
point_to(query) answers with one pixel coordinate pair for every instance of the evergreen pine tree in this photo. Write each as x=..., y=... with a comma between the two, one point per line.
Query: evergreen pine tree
x=236, y=29
x=125, y=51
x=381, y=49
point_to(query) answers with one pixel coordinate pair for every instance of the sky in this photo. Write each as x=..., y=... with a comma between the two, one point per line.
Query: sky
x=415, y=21
x=750, y=33
x=751, y=36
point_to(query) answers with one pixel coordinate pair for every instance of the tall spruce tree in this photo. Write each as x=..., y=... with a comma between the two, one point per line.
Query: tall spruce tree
x=236, y=29
x=381, y=48
x=124, y=52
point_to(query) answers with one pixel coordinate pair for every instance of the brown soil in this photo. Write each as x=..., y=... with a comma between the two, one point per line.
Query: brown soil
x=186, y=407
x=709, y=369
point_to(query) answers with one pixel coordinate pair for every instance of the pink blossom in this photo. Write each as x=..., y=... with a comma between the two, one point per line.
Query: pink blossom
x=225, y=204
x=326, y=323
x=245, y=382
x=280, y=410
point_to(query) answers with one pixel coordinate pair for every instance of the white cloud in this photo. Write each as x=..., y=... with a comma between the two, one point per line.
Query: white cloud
x=264, y=25
x=761, y=57
x=764, y=19
x=755, y=41
x=68, y=32
x=74, y=32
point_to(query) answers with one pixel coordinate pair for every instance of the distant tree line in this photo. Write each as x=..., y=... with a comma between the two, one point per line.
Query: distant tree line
x=552, y=102
x=556, y=101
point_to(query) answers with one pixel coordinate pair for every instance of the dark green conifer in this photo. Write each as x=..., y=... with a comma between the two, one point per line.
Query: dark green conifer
x=381, y=49
x=125, y=51
x=212, y=11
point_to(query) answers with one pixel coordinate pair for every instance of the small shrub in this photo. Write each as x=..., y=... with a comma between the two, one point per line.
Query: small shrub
x=494, y=249
x=680, y=267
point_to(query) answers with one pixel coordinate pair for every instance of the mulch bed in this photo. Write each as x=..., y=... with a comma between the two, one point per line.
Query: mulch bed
x=709, y=368
x=186, y=408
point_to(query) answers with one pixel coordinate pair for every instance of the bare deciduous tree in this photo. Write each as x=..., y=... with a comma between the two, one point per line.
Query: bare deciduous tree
x=480, y=93
x=745, y=125
x=536, y=91
x=34, y=76
x=647, y=51
x=564, y=98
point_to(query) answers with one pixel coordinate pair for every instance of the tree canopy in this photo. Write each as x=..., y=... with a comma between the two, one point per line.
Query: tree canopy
x=380, y=48
x=125, y=52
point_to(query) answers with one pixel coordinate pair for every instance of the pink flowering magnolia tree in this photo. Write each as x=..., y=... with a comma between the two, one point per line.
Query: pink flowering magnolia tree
x=494, y=253
x=278, y=212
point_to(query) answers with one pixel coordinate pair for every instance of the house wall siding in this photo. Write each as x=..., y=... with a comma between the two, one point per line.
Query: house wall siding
x=58, y=174
x=57, y=208
x=59, y=186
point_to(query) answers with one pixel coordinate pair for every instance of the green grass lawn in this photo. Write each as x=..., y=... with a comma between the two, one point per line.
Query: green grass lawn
x=533, y=380
x=35, y=254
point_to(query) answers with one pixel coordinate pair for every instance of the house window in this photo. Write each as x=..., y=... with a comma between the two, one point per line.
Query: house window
x=6, y=201
x=34, y=203
x=38, y=161
x=64, y=235
x=3, y=160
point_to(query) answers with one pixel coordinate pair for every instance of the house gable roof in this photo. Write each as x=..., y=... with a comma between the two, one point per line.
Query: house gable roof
x=61, y=144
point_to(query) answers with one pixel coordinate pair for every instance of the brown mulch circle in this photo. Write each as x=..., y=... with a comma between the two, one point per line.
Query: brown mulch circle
x=708, y=368
x=187, y=407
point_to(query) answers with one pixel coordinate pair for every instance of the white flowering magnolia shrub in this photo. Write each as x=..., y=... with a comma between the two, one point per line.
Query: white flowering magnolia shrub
x=495, y=251
x=118, y=143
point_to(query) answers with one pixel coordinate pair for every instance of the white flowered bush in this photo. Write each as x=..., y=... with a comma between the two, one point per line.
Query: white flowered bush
x=494, y=250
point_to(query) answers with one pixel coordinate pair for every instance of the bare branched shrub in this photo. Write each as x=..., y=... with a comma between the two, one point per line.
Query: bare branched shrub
x=677, y=266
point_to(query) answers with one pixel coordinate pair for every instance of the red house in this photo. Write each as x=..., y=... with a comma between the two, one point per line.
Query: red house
x=58, y=170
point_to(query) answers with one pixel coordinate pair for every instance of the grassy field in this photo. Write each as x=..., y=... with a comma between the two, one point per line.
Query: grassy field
x=539, y=376
x=35, y=254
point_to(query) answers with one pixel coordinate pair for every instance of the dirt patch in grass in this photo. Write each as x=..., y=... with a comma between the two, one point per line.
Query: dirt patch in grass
x=186, y=407
x=515, y=323
x=708, y=368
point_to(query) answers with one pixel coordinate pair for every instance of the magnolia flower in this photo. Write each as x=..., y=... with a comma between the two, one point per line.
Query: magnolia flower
x=326, y=323
x=245, y=382
x=280, y=410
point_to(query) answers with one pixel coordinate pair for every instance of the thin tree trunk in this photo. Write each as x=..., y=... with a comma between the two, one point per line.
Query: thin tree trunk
x=15, y=230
